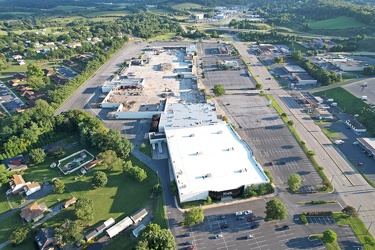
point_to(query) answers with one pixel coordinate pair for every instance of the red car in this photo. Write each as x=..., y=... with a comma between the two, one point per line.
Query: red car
x=190, y=248
x=271, y=163
x=250, y=219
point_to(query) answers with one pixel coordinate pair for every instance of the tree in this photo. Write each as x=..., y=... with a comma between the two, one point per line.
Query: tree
x=193, y=216
x=290, y=123
x=84, y=209
x=68, y=232
x=350, y=211
x=219, y=90
x=329, y=236
x=99, y=179
x=19, y=235
x=34, y=70
x=278, y=59
x=59, y=186
x=36, y=82
x=153, y=237
x=275, y=210
x=139, y=174
x=4, y=175
x=110, y=160
x=294, y=182
x=258, y=86
x=37, y=155
x=310, y=153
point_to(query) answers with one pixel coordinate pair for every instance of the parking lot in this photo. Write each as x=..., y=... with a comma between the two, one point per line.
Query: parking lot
x=231, y=79
x=345, y=236
x=267, y=235
x=8, y=100
x=64, y=71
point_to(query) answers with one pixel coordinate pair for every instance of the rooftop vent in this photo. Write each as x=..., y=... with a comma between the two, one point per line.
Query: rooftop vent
x=192, y=135
x=219, y=132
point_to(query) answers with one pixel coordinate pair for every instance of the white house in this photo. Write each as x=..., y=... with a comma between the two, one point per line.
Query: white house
x=31, y=188
x=16, y=183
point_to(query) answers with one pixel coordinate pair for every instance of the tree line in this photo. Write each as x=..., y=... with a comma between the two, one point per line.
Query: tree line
x=29, y=128
x=321, y=75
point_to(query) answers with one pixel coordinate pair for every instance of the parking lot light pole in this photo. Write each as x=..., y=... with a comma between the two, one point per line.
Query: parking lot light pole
x=332, y=178
x=359, y=207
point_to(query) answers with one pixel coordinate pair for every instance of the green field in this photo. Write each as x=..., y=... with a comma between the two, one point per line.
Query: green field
x=186, y=6
x=341, y=22
x=345, y=100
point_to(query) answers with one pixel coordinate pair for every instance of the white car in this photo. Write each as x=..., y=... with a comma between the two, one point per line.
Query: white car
x=238, y=213
x=248, y=212
x=218, y=236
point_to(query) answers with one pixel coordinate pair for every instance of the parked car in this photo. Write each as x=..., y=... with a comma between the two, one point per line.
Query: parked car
x=359, y=164
x=240, y=217
x=187, y=235
x=218, y=236
x=250, y=219
x=271, y=163
x=188, y=243
x=248, y=212
x=224, y=226
x=254, y=226
x=250, y=236
x=221, y=217
x=238, y=213
x=286, y=227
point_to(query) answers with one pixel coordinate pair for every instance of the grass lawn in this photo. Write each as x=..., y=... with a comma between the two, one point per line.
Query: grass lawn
x=332, y=246
x=121, y=197
x=163, y=37
x=16, y=200
x=345, y=100
x=4, y=206
x=358, y=227
x=146, y=149
x=7, y=225
x=330, y=133
x=342, y=22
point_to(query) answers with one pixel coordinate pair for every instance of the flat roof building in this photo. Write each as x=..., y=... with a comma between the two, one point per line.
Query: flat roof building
x=180, y=115
x=304, y=79
x=368, y=144
x=203, y=164
x=291, y=68
x=119, y=227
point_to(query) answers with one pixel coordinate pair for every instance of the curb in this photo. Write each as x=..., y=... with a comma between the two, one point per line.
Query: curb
x=222, y=204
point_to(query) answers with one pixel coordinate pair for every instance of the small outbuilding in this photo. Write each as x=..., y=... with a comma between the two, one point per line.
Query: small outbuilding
x=139, y=215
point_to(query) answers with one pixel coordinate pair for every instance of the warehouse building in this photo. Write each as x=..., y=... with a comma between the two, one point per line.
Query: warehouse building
x=202, y=162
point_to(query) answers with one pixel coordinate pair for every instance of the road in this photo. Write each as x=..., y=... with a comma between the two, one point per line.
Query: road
x=348, y=183
x=90, y=89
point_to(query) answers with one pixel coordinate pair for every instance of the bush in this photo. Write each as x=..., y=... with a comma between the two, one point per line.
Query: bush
x=318, y=202
x=319, y=213
x=174, y=189
x=303, y=219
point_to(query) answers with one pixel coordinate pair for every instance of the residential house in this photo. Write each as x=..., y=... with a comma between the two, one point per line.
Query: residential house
x=33, y=212
x=59, y=79
x=31, y=188
x=48, y=72
x=14, y=82
x=17, y=57
x=28, y=94
x=21, y=77
x=70, y=202
x=46, y=239
x=16, y=163
x=69, y=63
x=17, y=183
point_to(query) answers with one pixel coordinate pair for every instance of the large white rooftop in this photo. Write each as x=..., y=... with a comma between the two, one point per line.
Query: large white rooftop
x=179, y=115
x=211, y=158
